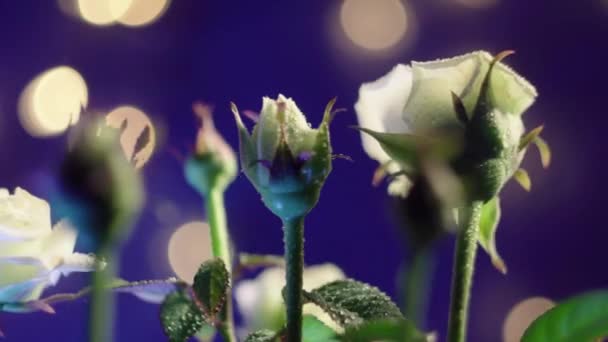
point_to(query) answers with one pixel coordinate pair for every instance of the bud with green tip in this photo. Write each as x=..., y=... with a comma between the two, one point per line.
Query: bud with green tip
x=284, y=158
x=213, y=165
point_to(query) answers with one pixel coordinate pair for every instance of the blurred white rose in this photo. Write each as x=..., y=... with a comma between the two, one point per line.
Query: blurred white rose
x=261, y=303
x=416, y=99
x=34, y=255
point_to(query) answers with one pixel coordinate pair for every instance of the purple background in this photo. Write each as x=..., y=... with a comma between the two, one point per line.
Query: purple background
x=553, y=238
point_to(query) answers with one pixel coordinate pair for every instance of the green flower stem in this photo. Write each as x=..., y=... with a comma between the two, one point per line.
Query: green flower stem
x=220, y=244
x=294, y=264
x=101, y=324
x=416, y=285
x=464, y=264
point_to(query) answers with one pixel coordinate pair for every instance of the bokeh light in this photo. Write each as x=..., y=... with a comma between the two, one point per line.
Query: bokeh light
x=477, y=4
x=103, y=12
x=144, y=12
x=522, y=315
x=132, y=13
x=374, y=25
x=138, y=136
x=52, y=101
x=189, y=246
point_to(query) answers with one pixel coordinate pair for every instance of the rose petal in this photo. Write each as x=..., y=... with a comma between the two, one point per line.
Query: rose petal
x=23, y=216
x=430, y=105
x=380, y=107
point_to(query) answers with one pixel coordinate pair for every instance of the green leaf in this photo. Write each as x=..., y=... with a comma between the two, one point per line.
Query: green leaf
x=544, y=150
x=398, y=330
x=180, y=317
x=582, y=318
x=211, y=284
x=262, y=336
x=313, y=330
x=400, y=147
x=350, y=302
x=523, y=178
x=488, y=223
x=206, y=333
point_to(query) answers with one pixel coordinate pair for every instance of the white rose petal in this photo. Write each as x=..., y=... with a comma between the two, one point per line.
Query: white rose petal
x=380, y=107
x=266, y=134
x=23, y=216
x=430, y=104
x=33, y=255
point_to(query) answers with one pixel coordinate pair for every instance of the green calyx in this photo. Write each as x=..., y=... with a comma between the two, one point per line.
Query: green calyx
x=492, y=138
x=213, y=165
x=285, y=159
x=209, y=171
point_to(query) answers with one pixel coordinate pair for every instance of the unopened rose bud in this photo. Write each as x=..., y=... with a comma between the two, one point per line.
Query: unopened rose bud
x=213, y=164
x=284, y=158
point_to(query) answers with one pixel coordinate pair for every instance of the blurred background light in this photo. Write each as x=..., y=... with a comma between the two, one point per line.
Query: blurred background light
x=479, y=4
x=52, y=101
x=107, y=12
x=138, y=136
x=374, y=25
x=522, y=315
x=143, y=12
x=103, y=12
x=189, y=246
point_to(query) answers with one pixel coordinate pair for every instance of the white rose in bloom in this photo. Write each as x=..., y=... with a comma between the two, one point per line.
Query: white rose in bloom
x=417, y=100
x=33, y=255
x=261, y=304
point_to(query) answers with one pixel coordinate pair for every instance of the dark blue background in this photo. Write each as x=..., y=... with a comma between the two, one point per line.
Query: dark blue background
x=553, y=238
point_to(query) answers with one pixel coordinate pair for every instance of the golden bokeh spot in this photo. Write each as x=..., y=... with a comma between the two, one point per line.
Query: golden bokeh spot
x=374, y=25
x=103, y=12
x=189, y=247
x=144, y=12
x=137, y=137
x=522, y=315
x=52, y=101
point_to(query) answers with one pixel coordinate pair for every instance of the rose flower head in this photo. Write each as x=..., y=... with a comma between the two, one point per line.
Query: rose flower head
x=284, y=158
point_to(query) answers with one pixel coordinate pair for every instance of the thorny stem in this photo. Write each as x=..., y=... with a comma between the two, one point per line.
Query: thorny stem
x=220, y=244
x=294, y=262
x=464, y=264
x=101, y=327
